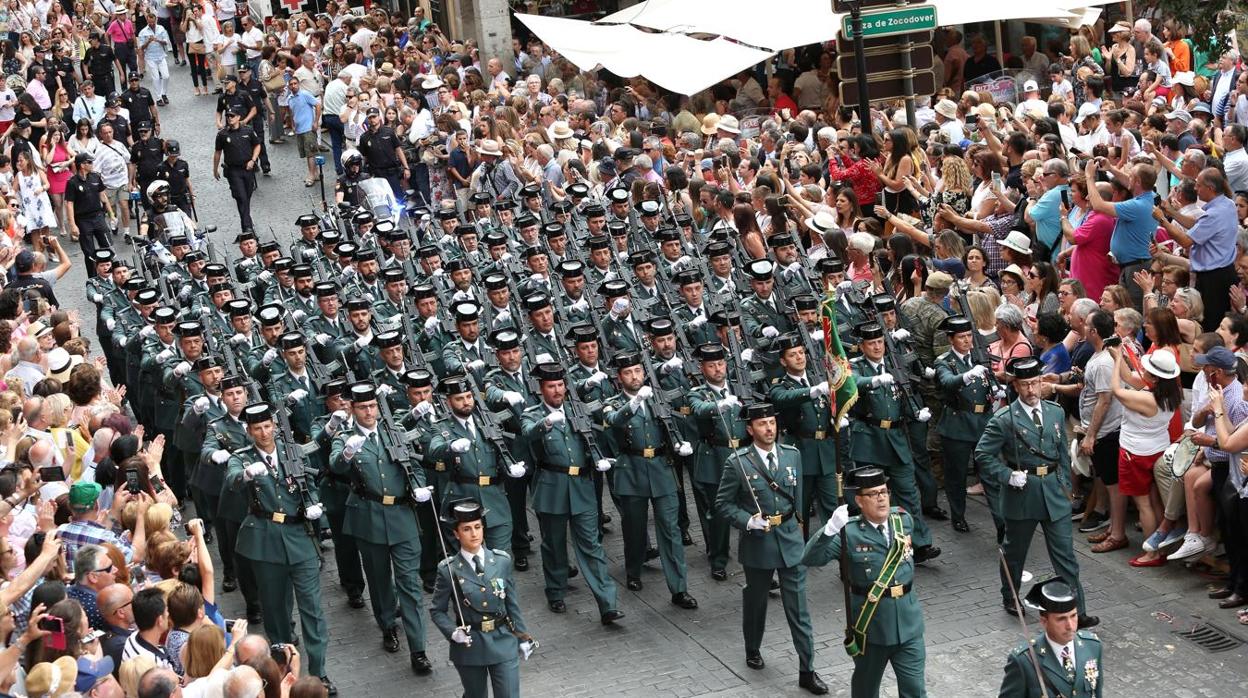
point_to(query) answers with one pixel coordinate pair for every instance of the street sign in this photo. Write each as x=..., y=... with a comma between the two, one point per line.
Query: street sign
x=844, y=44
x=899, y=20
x=884, y=86
x=844, y=6
x=885, y=59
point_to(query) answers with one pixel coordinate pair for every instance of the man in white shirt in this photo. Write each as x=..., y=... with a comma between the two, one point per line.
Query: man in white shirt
x=1235, y=162
x=251, y=39
x=308, y=76
x=1034, y=61
x=112, y=163
x=1091, y=127
x=950, y=125
x=332, y=104
x=89, y=105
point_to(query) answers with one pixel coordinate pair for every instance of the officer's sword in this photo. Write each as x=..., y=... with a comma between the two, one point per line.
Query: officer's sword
x=459, y=611
x=1022, y=619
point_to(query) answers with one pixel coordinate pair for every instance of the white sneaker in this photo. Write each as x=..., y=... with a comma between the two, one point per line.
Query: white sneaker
x=1026, y=577
x=1193, y=544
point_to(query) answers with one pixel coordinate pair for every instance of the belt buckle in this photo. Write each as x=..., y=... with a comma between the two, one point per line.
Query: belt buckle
x=886, y=424
x=896, y=591
x=483, y=481
x=387, y=499
x=1042, y=470
x=439, y=467
x=685, y=410
x=979, y=409
x=734, y=443
x=487, y=626
x=279, y=517
x=647, y=453
x=574, y=470
x=820, y=435
x=775, y=520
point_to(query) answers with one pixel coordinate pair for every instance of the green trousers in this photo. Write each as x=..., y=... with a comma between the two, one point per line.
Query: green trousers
x=792, y=596
x=667, y=533
x=908, y=659
x=714, y=529
x=346, y=551
x=957, y=454
x=279, y=585
x=1058, y=538
x=589, y=556
x=388, y=567
x=504, y=678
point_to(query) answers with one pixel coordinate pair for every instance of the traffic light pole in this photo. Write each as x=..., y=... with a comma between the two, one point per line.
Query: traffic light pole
x=860, y=62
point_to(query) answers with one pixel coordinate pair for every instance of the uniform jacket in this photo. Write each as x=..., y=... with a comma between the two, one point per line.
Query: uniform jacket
x=491, y=595
x=781, y=546
x=1010, y=442
x=1085, y=681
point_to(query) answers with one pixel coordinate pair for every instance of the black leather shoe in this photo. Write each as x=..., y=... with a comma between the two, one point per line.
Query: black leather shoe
x=429, y=586
x=421, y=664
x=685, y=538
x=810, y=681
x=633, y=584
x=606, y=519
x=1088, y=622
x=754, y=660
x=1219, y=594
x=611, y=616
x=390, y=639
x=936, y=514
x=557, y=606
x=521, y=563
x=573, y=572
x=961, y=527
x=330, y=688
x=356, y=600
x=652, y=554
x=719, y=575
x=1233, y=601
x=208, y=536
x=774, y=585
x=255, y=616
x=229, y=584
x=1012, y=610
x=685, y=601
x=924, y=553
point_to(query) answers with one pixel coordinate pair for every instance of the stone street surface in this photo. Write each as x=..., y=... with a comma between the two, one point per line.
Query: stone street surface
x=660, y=650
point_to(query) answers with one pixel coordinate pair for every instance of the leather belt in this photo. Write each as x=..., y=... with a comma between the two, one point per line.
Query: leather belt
x=643, y=452
x=1040, y=470
x=479, y=481
x=438, y=466
x=817, y=435
x=388, y=500
x=572, y=470
x=895, y=591
x=974, y=408
x=277, y=517
x=489, y=625
x=777, y=519
x=881, y=423
x=724, y=443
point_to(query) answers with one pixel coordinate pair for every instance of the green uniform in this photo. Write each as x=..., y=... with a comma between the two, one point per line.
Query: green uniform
x=807, y=424
x=457, y=356
x=895, y=631
x=230, y=506
x=492, y=660
x=622, y=335
x=381, y=517
x=285, y=557
x=758, y=314
x=497, y=382
x=966, y=410
x=1011, y=441
x=303, y=411
x=644, y=474
x=774, y=551
x=563, y=498
x=1082, y=679
x=476, y=474
x=719, y=434
x=334, y=488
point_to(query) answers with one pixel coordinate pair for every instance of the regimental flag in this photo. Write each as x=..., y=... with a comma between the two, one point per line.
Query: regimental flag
x=841, y=384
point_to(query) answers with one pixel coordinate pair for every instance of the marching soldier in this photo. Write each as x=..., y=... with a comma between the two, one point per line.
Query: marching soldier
x=430, y=335
x=644, y=477
x=887, y=619
x=563, y=495
x=275, y=539
x=542, y=335
x=334, y=489
x=1061, y=661
x=225, y=434
x=620, y=328
x=593, y=386
x=721, y=431
x=1025, y=449
x=925, y=316
x=296, y=387
x=763, y=315
x=693, y=313
x=466, y=352
x=878, y=436
x=791, y=274
x=306, y=249
x=673, y=379
x=486, y=641
x=359, y=353
x=507, y=389
x=966, y=389
x=381, y=516
x=575, y=306
x=759, y=494
x=424, y=418
x=389, y=308
x=389, y=378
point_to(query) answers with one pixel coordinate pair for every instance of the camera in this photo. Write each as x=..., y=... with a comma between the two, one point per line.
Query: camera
x=52, y=473
x=132, y=481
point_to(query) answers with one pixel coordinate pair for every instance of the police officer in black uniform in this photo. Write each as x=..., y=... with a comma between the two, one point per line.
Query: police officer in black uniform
x=347, y=188
x=250, y=85
x=240, y=148
x=147, y=154
x=139, y=102
x=234, y=98
x=85, y=205
x=174, y=170
x=113, y=117
x=383, y=151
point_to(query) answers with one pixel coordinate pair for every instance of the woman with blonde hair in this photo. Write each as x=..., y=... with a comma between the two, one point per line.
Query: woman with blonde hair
x=133, y=669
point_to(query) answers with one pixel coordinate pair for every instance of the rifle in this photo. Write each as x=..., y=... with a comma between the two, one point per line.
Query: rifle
x=980, y=355
x=397, y=444
x=741, y=379
x=488, y=421
x=295, y=458
x=659, y=402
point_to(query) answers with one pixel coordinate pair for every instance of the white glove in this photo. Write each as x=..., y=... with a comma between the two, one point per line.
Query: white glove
x=505, y=257
x=837, y=521
x=97, y=298
x=793, y=268
x=461, y=445
x=544, y=358
x=422, y=408
x=1018, y=479
x=882, y=379
x=845, y=285
x=999, y=392
x=645, y=393
x=462, y=296
x=682, y=260
x=385, y=389
x=269, y=356
x=924, y=415
x=439, y=271
x=513, y=398
x=770, y=332
x=476, y=365
x=728, y=403
x=254, y=471
x=900, y=334
x=622, y=256
x=816, y=335
x=110, y=324
x=352, y=446
x=431, y=323
x=978, y=371
x=313, y=512
x=516, y=469
x=757, y=523
x=603, y=465
x=238, y=338
x=336, y=420
x=298, y=394
x=503, y=316
x=684, y=448
x=220, y=456
x=181, y=369
x=619, y=306
x=673, y=364
x=461, y=636
x=526, y=650
x=321, y=339
x=843, y=423
x=173, y=277
x=536, y=277
x=147, y=331
x=266, y=276
x=819, y=389
x=555, y=418
x=595, y=378
x=247, y=262
x=445, y=240
x=582, y=304
x=747, y=355
x=929, y=372
x=698, y=321
x=362, y=342
x=200, y=405
x=422, y=494
x=610, y=276
x=164, y=355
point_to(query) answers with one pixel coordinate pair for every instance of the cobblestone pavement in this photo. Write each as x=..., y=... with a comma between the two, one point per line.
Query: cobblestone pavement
x=662, y=650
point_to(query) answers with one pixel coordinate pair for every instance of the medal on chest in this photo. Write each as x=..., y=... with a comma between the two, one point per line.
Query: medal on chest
x=498, y=588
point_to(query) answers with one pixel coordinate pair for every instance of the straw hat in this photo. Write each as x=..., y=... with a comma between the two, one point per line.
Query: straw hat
x=729, y=124
x=1120, y=27
x=560, y=130
x=51, y=679
x=710, y=123
x=947, y=109
x=1017, y=241
x=489, y=146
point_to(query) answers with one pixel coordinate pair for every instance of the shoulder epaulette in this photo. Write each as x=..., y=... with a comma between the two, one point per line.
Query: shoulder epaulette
x=1087, y=635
